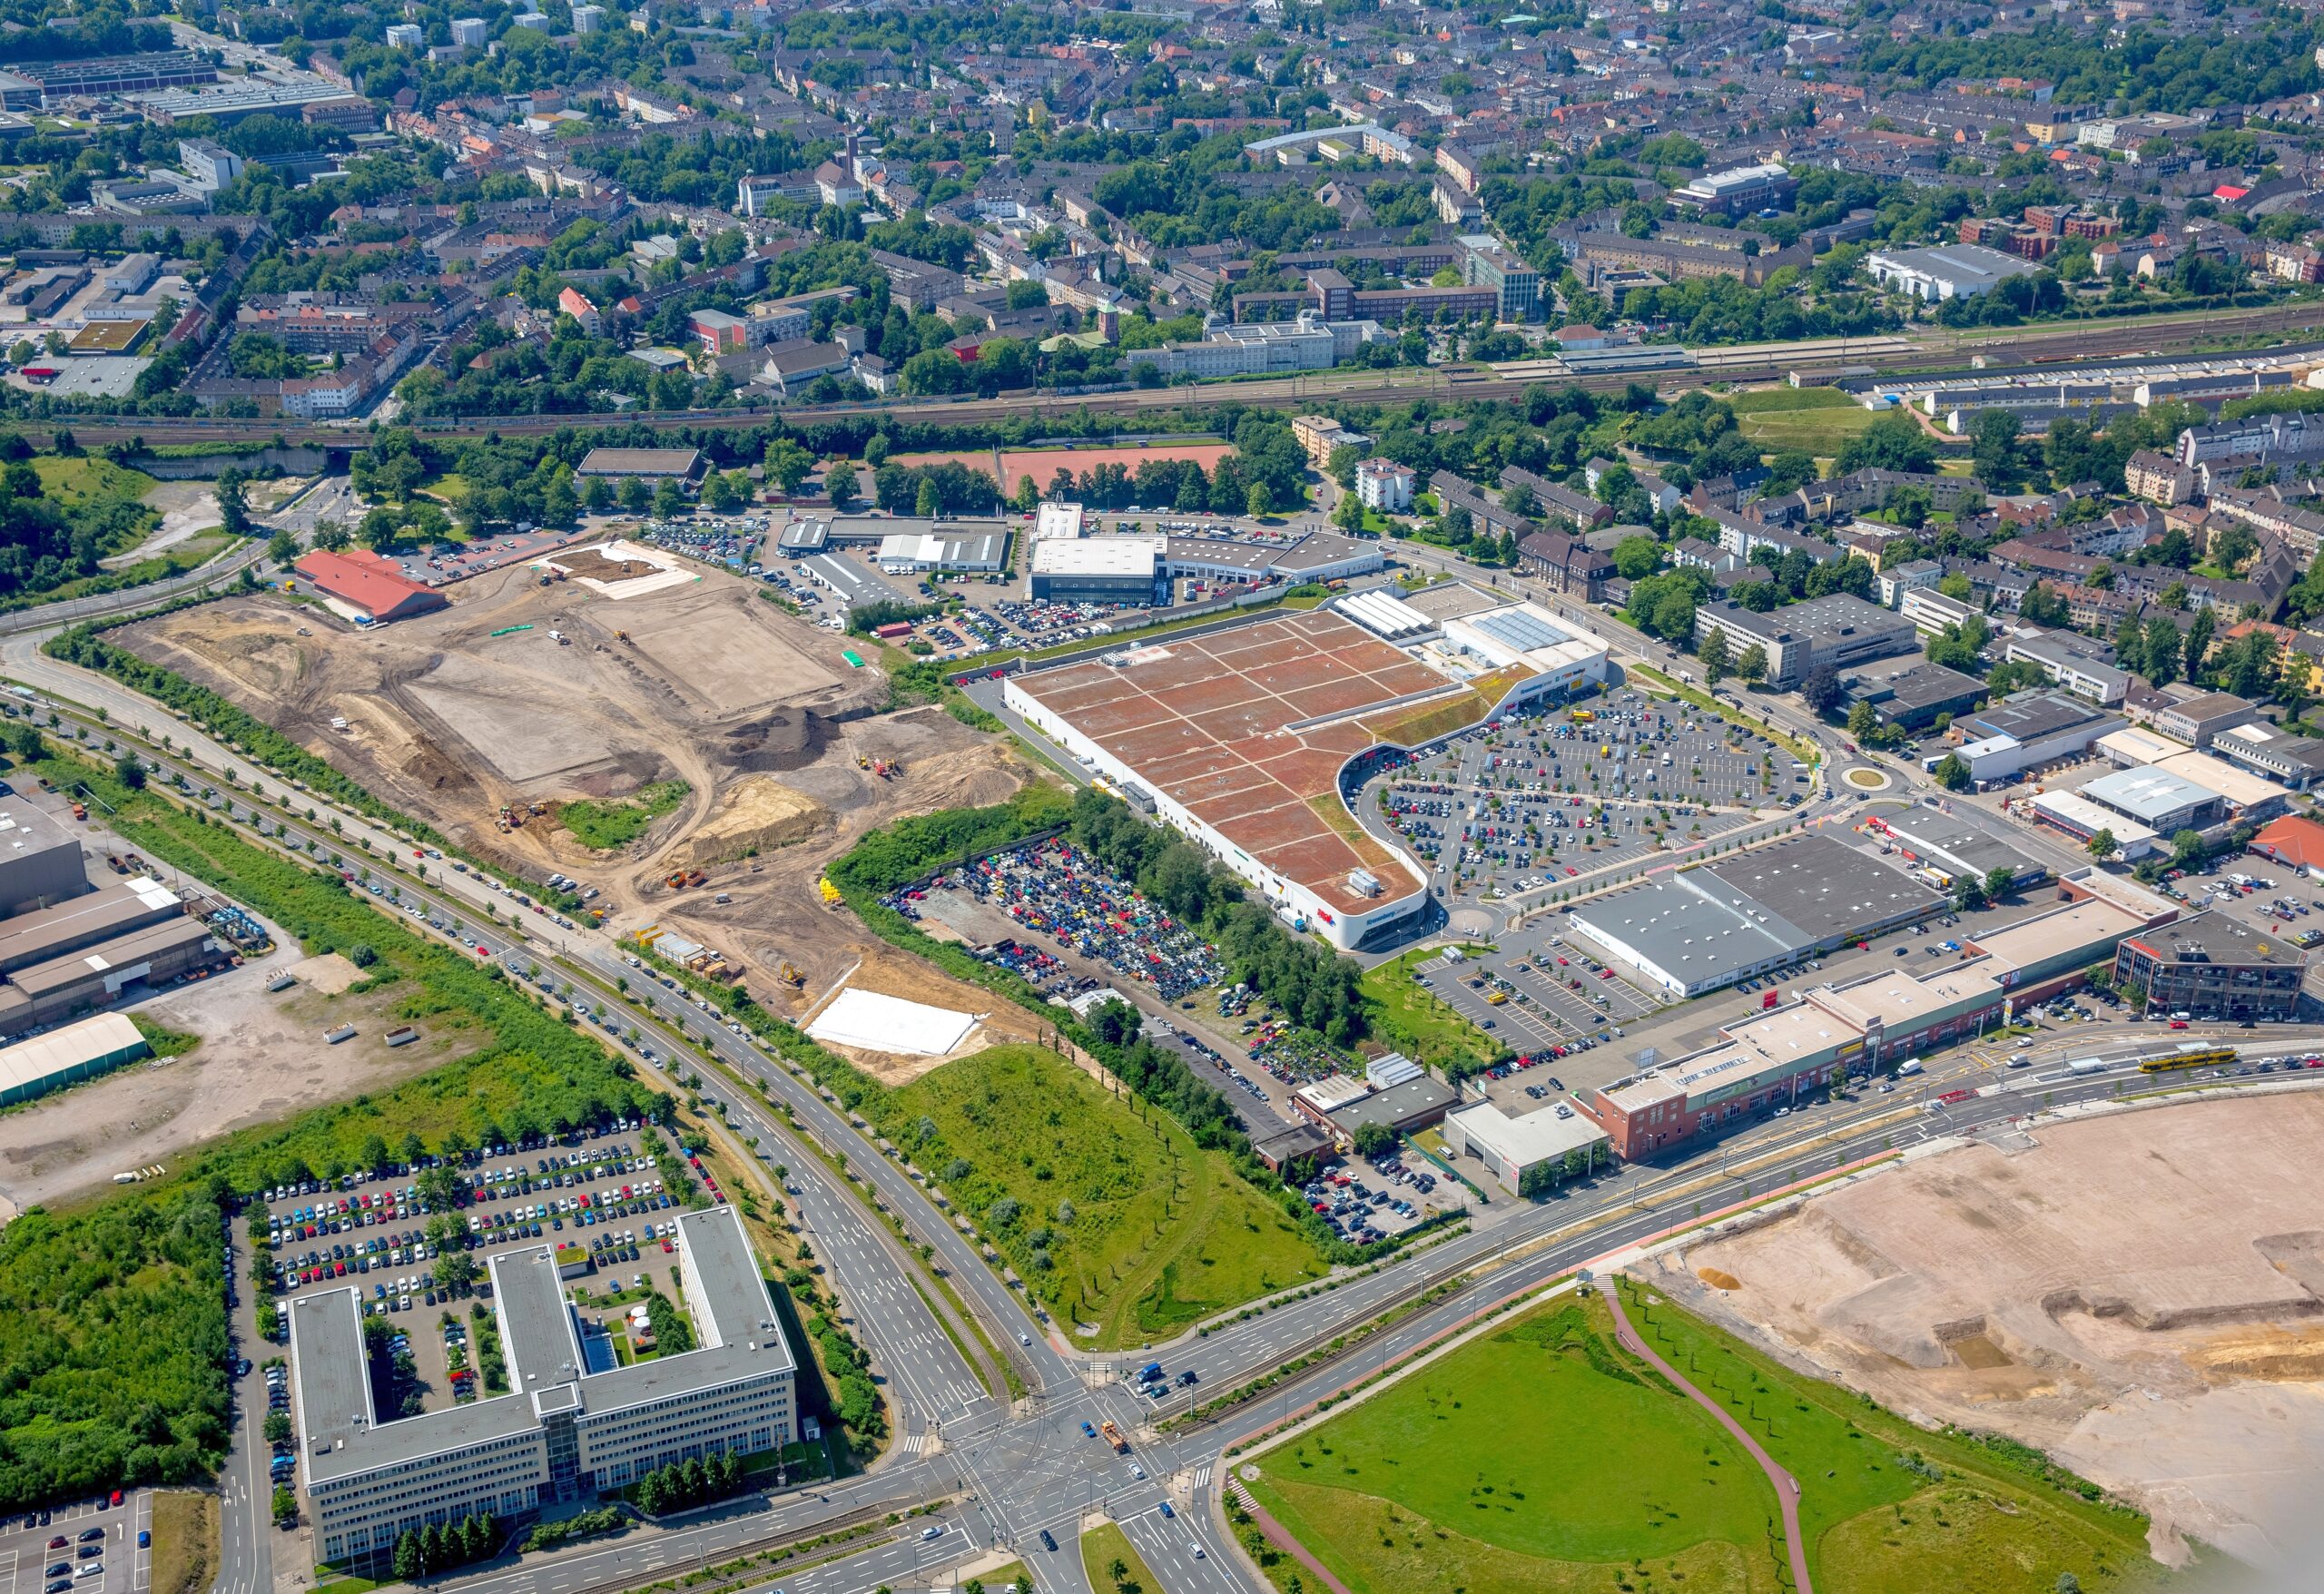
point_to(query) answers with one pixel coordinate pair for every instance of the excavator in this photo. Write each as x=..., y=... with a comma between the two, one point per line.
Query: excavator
x=792, y=975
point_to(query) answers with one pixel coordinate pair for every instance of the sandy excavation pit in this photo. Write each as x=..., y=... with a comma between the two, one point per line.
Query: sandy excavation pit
x=752, y=707
x=2141, y=1294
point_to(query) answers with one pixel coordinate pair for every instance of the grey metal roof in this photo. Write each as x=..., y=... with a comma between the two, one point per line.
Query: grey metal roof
x=1824, y=886
x=736, y=1310
x=332, y=1383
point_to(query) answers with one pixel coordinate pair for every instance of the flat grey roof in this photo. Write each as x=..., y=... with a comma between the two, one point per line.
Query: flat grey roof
x=535, y=1323
x=1965, y=837
x=1692, y=926
x=640, y=462
x=1450, y=600
x=112, y=909
x=1322, y=548
x=2214, y=938
x=1397, y=1103
x=73, y=968
x=529, y=1303
x=1820, y=621
x=2033, y=717
x=334, y=1384
x=1227, y=555
x=736, y=1310
x=1913, y=683
x=26, y=829
x=1824, y=886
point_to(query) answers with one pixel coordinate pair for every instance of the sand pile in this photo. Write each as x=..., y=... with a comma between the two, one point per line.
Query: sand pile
x=760, y=813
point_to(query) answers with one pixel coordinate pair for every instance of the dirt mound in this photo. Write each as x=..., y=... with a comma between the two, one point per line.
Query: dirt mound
x=757, y=814
x=592, y=565
x=1717, y=1280
x=787, y=739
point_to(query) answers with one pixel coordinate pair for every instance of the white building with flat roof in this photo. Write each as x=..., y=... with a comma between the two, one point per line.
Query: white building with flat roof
x=1055, y=519
x=1556, y=1137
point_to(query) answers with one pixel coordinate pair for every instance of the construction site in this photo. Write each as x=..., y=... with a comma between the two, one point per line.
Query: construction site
x=2140, y=1295
x=752, y=748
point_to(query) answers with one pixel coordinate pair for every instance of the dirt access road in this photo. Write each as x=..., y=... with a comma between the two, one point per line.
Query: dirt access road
x=452, y=714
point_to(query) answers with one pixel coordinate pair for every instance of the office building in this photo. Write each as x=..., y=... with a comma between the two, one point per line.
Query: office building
x=1487, y=263
x=210, y=164
x=1798, y=638
x=1318, y=435
x=1737, y=192
x=404, y=35
x=40, y=860
x=2210, y=967
x=468, y=33
x=588, y=19
x=575, y=1423
x=1910, y=693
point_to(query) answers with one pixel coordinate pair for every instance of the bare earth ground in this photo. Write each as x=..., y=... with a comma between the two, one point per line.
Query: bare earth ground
x=752, y=707
x=2140, y=1295
x=186, y=507
x=892, y=973
x=261, y=1060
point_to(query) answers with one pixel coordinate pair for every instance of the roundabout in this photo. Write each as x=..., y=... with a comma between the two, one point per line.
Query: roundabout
x=1865, y=778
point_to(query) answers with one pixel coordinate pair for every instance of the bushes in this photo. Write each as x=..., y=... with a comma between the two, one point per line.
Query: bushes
x=112, y=1370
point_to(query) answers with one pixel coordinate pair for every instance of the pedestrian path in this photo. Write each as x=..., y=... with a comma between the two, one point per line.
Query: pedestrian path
x=1280, y=1537
x=1786, y=1486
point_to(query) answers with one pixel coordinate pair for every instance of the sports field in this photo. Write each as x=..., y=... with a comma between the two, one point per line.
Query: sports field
x=1812, y=420
x=1111, y=1214
x=1008, y=467
x=1542, y=1456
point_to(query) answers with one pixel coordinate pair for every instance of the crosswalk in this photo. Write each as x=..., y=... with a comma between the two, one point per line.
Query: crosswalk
x=913, y=1445
x=1202, y=1475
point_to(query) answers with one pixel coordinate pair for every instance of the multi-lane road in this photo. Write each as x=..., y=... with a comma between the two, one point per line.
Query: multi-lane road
x=1006, y=1471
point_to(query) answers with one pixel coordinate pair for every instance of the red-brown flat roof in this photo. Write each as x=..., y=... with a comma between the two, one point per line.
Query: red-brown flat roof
x=1205, y=721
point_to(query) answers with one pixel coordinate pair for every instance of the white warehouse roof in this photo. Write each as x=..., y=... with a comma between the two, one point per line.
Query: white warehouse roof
x=1384, y=616
x=1527, y=1142
x=1101, y=555
x=26, y=1067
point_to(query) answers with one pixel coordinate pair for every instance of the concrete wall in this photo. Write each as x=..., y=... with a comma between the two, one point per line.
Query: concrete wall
x=290, y=461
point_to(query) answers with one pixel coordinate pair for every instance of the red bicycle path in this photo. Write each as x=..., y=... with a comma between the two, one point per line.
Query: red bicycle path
x=1786, y=1486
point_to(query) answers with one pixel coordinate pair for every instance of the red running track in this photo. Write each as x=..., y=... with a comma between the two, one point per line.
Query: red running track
x=1786, y=1486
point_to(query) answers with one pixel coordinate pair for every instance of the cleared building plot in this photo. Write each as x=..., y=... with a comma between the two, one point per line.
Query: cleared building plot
x=2136, y=1295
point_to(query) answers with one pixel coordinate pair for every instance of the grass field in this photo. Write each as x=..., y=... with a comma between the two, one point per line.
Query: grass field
x=77, y=480
x=1400, y=1014
x=1544, y=1457
x=618, y=821
x=1107, y=1208
x=185, y=1542
x=1815, y=420
x=1106, y=1547
x=1012, y=1576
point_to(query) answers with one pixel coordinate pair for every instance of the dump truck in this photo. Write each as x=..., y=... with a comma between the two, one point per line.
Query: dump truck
x=1114, y=1437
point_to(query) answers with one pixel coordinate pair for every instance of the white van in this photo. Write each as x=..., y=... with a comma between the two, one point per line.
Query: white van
x=1909, y=1068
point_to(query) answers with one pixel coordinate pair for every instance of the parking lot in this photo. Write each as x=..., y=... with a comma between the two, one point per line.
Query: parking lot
x=419, y=1265
x=440, y=564
x=1526, y=799
x=90, y=1546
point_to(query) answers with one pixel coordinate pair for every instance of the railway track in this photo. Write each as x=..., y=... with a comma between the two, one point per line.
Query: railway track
x=1928, y=351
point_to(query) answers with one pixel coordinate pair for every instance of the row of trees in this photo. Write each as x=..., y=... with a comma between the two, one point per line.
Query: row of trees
x=441, y=1546
x=682, y=1485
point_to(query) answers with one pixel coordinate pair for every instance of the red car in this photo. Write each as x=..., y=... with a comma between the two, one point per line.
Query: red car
x=116, y=1496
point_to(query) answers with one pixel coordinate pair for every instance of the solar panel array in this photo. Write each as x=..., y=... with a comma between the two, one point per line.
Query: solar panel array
x=1524, y=632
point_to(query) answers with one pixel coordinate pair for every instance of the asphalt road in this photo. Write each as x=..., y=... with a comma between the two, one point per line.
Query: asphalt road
x=1023, y=1468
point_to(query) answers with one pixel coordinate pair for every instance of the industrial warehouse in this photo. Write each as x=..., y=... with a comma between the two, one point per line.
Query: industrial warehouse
x=574, y=1424
x=69, y=946
x=1704, y=928
x=1244, y=737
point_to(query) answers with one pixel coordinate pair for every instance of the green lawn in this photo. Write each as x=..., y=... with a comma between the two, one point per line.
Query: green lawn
x=1400, y=1014
x=616, y=822
x=1104, y=1547
x=1815, y=420
x=1544, y=1457
x=74, y=481
x=1012, y=1576
x=1160, y=1233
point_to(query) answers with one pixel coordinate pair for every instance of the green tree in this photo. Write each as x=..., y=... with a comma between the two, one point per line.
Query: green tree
x=669, y=501
x=634, y=495
x=2000, y=881
x=233, y=504
x=2103, y=846
x=1822, y=689
x=1864, y=725
x=1258, y=503
x=2186, y=847
x=1636, y=557
x=2198, y=644
x=2162, y=651
x=1951, y=772
x=719, y=492
x=1348, y=513
x=282, y=547
x=598, y=495
x=1712, y=651
x=1372, y=1140
x=129, y=772
x=408, y=1567
x=1753, y=666
x=839, y=484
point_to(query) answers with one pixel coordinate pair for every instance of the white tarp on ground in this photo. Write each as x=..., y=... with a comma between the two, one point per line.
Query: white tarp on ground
x=667, y=572
x=886, y=1023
